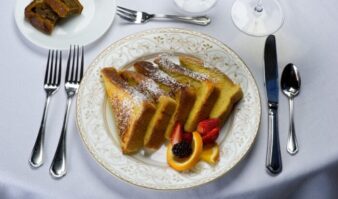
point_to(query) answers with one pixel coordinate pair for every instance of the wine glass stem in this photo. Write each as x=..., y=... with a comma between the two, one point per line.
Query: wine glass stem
x=259, y=6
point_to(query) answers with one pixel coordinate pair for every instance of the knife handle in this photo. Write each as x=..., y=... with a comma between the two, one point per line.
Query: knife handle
x=273, y=158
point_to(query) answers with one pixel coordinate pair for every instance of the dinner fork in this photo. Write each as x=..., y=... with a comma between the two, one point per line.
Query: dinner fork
x=74, y=73
x=51, y=85
x=138, y=17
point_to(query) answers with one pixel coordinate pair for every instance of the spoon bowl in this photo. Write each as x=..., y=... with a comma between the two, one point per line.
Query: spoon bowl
x=290, y=81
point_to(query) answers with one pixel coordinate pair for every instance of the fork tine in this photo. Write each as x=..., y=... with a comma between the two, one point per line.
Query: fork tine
x=55, y=67
x=68, y=64
x=50, y=77
x=72, y=75
x=126, y=9
x=125, y=17
x=82, y=63
x=126, y=13
x=47, y=68
x=59, y=72
x=76, y=79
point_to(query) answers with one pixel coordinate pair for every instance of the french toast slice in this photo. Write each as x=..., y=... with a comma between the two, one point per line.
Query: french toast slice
x=132, y=110
x=165, y=107
x=184, y=96
x=230, y=93
x=206, y=94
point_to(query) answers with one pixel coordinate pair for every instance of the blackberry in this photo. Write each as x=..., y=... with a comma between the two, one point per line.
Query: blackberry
x=182, y=149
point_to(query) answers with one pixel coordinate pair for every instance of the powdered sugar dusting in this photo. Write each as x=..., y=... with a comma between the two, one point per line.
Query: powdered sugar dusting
x=154, y=72
x=122, y=109
x=164, y=61
x=151, y=87
x=164, y=78
x=158, y=75
x=138, y=97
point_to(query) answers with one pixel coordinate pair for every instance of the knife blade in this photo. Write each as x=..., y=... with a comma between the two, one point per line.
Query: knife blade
x=273, y=158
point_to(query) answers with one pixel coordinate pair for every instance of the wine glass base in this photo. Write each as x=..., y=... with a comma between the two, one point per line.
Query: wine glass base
x=255, y=23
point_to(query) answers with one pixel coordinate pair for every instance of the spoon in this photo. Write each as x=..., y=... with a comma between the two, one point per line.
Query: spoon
x=290, y=83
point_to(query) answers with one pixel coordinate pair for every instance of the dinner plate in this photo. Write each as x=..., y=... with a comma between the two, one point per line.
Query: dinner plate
x=97, y=127
x=95, y=19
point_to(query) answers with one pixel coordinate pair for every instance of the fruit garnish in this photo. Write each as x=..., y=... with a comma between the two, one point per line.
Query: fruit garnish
x=177, y=134
x=182, y=149
x=207, y=125
x=210, y=154
x=181, y=164
x=211, y=136
x=187, y=137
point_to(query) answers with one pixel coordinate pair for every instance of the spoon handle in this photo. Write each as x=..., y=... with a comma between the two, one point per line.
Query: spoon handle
x=292, y=145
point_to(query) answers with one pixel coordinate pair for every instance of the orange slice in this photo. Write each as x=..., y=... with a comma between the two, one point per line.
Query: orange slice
x=184, y=164
x=210, y=154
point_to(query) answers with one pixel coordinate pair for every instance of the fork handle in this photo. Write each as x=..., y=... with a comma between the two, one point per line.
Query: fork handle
x=199, y=20
x=58, y=167
x=36, y=158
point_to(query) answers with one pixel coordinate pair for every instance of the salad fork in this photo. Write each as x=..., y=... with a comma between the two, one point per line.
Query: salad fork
x=138, y=17
x=51, y=85
x=74, y=73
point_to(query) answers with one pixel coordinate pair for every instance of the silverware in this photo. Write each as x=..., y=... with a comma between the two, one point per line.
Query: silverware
x=273, y=158
x=51, y=85
x=138, y=17
x=290, y=83
x=73, y=77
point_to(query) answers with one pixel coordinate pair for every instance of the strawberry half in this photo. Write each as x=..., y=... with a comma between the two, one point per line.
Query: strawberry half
x=206, y=126
x=187, y=137
x=177, y=134
x=211, y=136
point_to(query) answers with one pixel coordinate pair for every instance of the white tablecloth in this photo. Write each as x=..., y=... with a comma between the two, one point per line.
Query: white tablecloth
x=308, y=38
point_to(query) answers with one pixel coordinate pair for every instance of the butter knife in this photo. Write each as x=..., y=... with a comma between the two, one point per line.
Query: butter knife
x=273, y=158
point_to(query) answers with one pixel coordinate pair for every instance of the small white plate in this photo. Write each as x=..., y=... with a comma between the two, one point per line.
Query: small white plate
x=95, y=19
x=96, y=122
